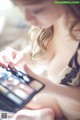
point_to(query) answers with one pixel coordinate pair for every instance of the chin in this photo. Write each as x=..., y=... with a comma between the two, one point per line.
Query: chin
x=45, y=26
x=42, y=26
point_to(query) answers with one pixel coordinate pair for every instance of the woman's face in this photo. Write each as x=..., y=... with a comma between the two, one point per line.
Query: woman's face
x=43, y=15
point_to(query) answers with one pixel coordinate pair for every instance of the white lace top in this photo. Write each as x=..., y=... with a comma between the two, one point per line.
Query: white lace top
x=70, y=75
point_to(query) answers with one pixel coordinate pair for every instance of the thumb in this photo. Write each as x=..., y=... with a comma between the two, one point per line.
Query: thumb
x=17, y=60
x=36, y=76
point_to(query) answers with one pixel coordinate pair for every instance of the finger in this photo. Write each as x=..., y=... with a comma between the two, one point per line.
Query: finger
x=11, y=51
x=3, y=63
x=30, y=73
x=48, y=84
x=18, y=59
x=14, y=62
x=45, y=113
x=8, y=55
x=13, y=58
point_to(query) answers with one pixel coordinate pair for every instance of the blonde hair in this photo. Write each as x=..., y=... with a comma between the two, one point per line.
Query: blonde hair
x=75, y=30
x=41, y=37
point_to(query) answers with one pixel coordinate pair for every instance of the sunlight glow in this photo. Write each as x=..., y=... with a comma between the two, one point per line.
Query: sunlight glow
x=5, y=4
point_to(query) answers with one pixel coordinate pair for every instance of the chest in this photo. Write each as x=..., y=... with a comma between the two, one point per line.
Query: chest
x=62, y=55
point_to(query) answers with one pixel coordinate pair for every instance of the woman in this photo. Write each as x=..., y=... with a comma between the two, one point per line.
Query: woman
x=54, y=48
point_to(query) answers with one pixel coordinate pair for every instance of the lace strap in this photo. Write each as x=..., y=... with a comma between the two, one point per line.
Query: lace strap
x=74, y=59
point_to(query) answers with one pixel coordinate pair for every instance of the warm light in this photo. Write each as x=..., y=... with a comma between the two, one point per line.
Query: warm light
x=5, y=4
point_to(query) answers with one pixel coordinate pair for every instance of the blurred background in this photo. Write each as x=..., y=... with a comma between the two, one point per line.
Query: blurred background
x=13, y=28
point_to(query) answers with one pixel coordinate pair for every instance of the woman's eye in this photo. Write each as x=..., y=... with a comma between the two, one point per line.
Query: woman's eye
x=38, y=11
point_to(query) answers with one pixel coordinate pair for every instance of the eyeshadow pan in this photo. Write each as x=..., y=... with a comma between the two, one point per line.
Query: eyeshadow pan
x=8, y=84
x=19, y=73
x=26, y=88
x=36, y=85
x=3, y=89
x=16, y=82
x=14, y=98
x=13, y=80
x=3, y=76
x=26, y=79
x=21, y=93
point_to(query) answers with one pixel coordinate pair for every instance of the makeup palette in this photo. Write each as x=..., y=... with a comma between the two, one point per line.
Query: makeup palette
x=17, y=89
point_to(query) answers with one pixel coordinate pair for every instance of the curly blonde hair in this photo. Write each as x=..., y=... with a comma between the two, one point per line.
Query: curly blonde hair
x=43, y=35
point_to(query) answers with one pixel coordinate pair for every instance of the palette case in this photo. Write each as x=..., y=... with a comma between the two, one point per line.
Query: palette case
x=16, y=89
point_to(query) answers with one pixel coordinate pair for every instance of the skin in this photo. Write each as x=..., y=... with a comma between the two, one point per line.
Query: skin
x=37, y=14
x=44, y=15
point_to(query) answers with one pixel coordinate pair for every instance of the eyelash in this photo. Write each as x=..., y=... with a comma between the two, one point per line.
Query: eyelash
x=38, y=11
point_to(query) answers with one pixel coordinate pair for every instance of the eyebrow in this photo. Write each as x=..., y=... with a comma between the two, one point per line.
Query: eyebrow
x=27, y=2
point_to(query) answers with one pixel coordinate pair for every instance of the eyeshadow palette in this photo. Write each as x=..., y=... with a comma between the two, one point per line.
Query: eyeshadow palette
x=16, y=89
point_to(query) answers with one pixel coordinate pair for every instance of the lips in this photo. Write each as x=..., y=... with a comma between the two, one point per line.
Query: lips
x=34, y=23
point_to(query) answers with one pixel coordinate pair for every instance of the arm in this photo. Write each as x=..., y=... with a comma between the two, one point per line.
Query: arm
x=66, y=92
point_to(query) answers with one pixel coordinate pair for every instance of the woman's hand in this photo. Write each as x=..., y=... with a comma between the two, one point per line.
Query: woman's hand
x=12, y=57
x=6, y=56
x=49, y=86
x=41, y=114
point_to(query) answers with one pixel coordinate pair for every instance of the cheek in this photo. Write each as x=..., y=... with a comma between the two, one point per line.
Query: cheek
x=47, y=19
x=45, y=22
x=51, y=16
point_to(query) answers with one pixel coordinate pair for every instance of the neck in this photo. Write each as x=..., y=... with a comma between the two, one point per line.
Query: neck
x=63, y=25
